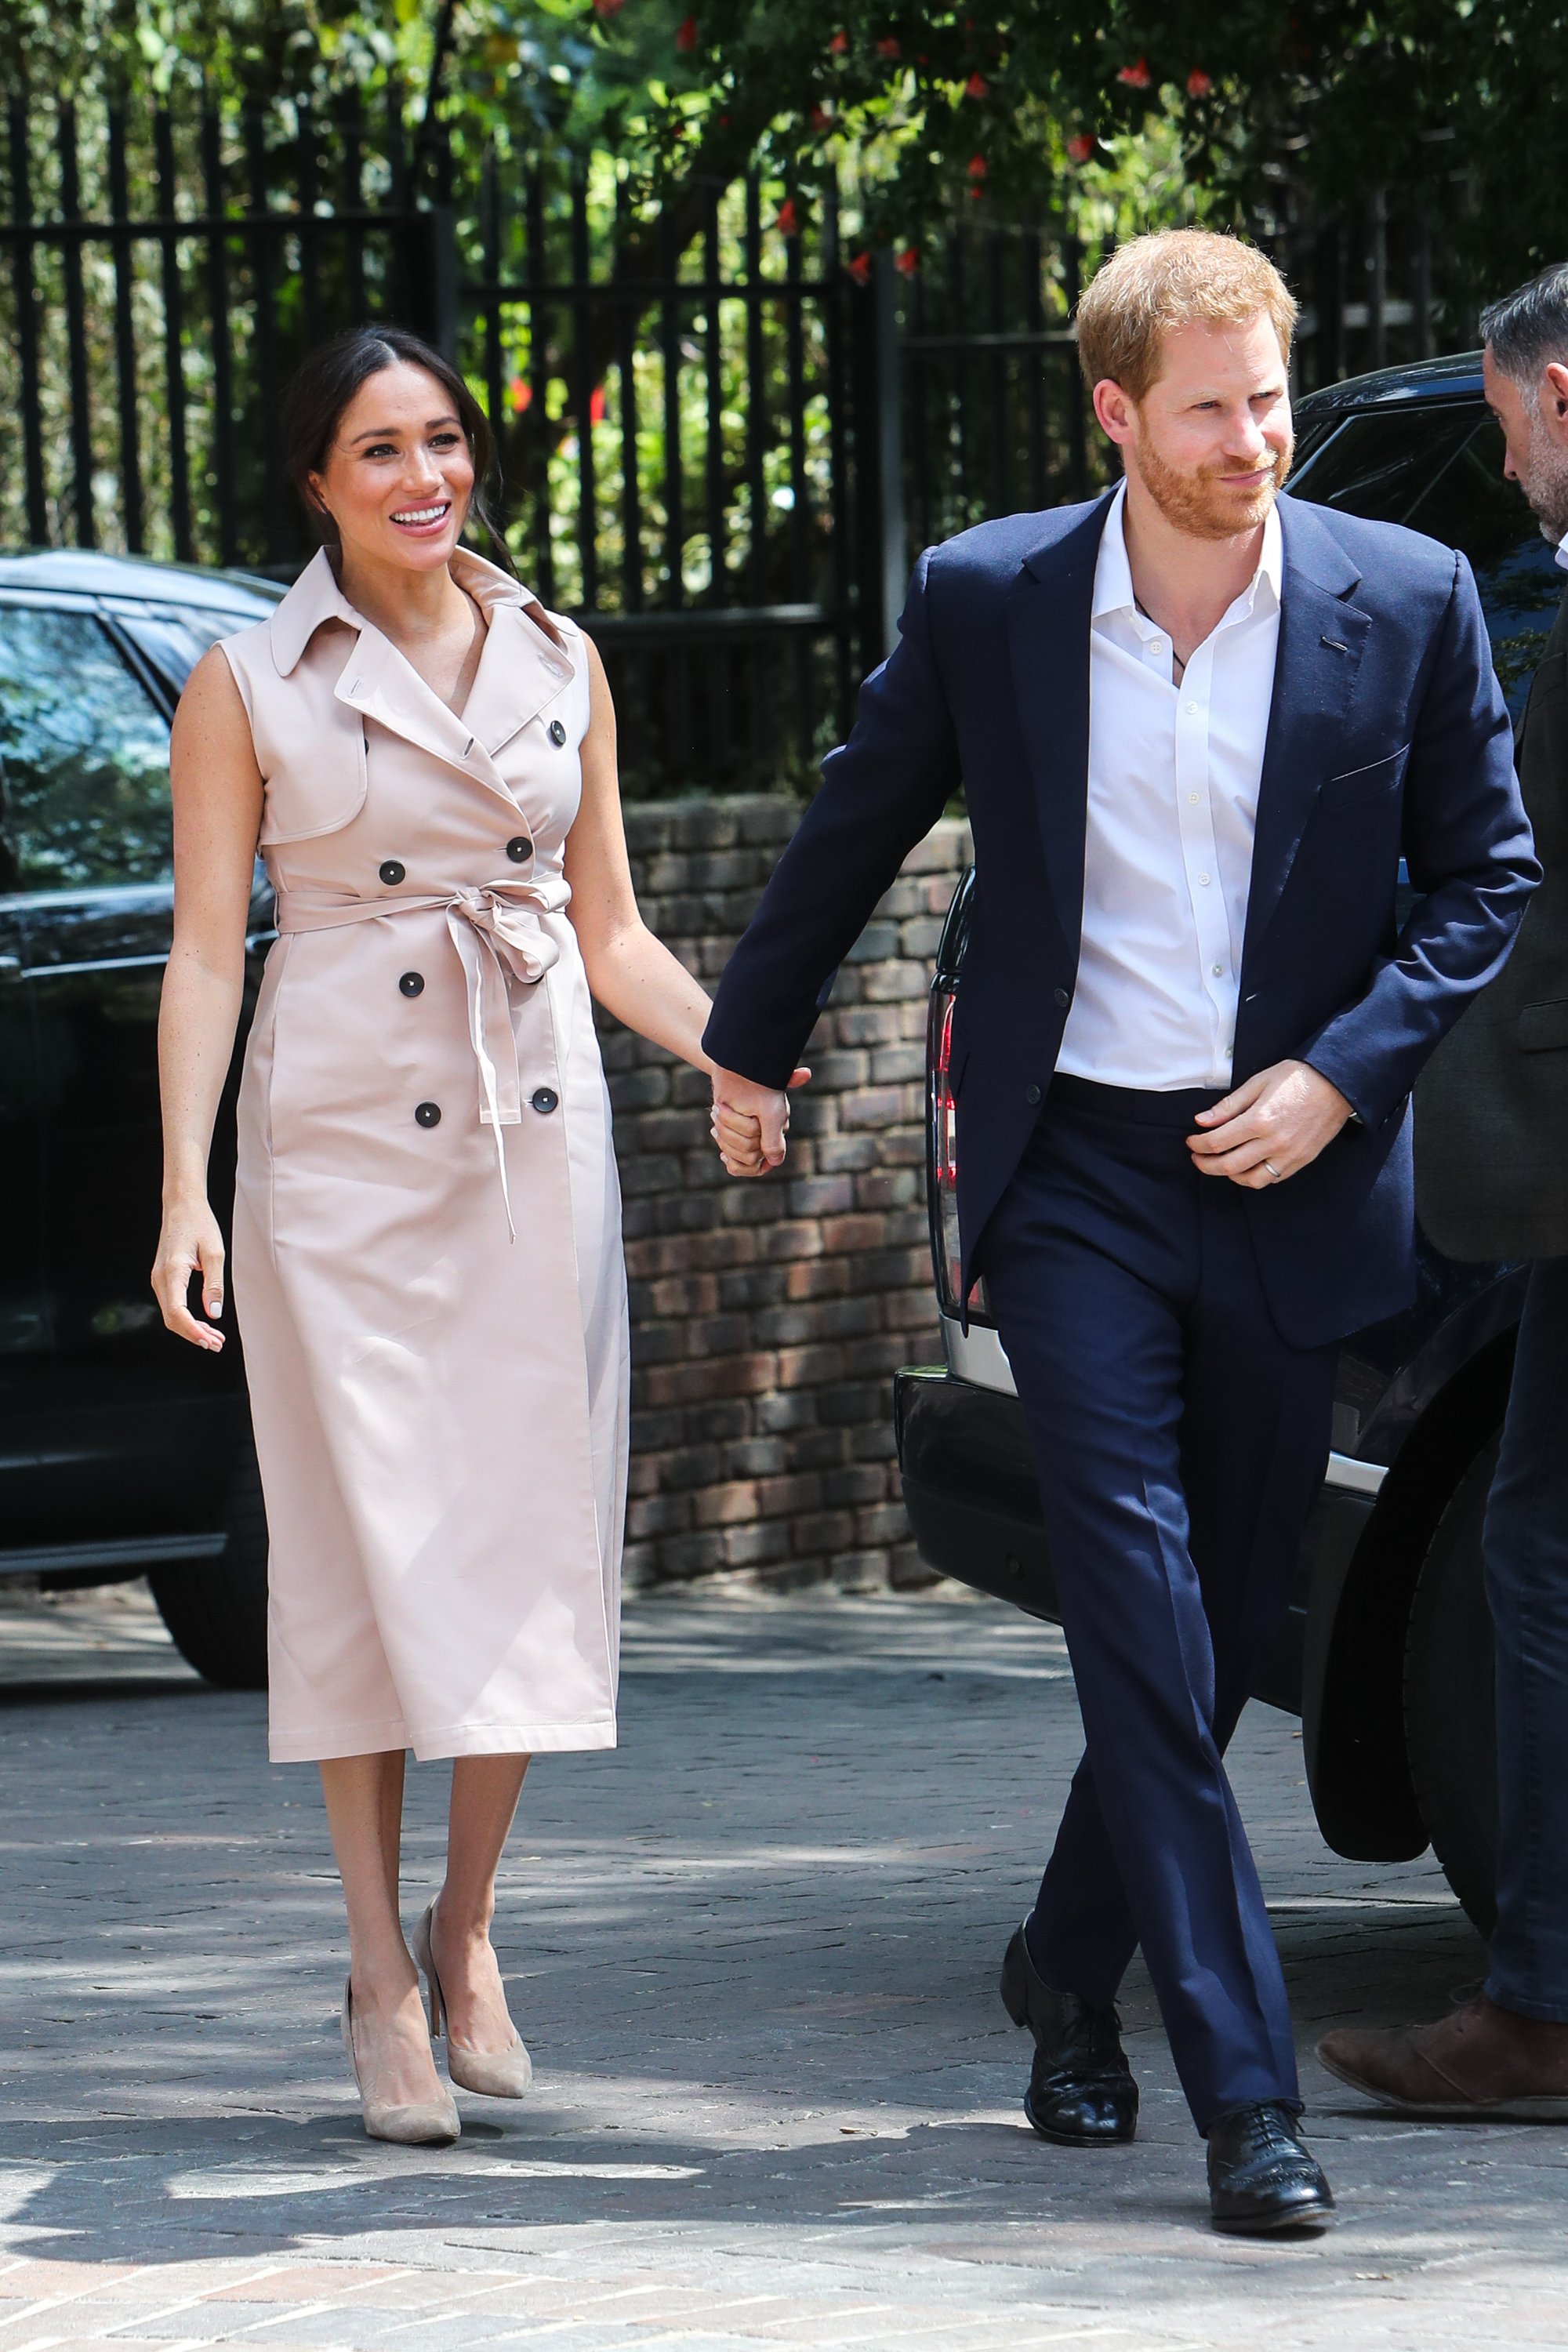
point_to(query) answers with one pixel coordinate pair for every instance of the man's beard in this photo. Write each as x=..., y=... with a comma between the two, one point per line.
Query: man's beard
x=1543, y=479
x=1199, y=503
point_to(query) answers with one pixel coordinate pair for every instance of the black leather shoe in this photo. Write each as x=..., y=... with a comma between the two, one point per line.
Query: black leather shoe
x=1262, y=2176
x=1081, y=2092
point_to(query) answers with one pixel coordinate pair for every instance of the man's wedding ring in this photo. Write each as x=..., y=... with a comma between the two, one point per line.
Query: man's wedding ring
x=1273, y=1171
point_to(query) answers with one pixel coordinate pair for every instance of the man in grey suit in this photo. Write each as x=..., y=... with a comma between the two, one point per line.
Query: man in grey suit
x=1491, y=1159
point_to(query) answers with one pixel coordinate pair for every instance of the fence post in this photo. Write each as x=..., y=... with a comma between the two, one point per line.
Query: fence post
x=431, y=276
x=882, y=566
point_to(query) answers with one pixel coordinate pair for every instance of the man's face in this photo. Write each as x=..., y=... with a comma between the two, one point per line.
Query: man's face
x=1535, y=436
x=1211, y=439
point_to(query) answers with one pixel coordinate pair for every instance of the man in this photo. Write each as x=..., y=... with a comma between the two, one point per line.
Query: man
x=1196, y=726
x=1492, y=1122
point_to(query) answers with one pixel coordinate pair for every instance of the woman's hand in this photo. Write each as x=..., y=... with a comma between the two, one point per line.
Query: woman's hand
x=190, y=1243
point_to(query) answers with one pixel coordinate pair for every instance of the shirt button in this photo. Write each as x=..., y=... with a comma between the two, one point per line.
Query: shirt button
x=544, y=1098
x=1192, y=799
x=411, y=983
x=1203, y=878
x=557, y=732
x=429, y=1114
x=392, y=873
x=1217, y=970
x=520, y=850
x=1193, y=707
x=1031, y=1094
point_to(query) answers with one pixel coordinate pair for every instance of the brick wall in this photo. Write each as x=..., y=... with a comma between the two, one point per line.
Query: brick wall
x=768, y=1317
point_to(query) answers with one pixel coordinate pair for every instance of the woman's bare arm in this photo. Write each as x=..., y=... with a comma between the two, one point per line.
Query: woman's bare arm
x=632, y=974
x=217, y=818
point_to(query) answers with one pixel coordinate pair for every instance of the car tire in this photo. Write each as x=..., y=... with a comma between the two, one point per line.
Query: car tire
x=1451, y=1705
x=216, y=1610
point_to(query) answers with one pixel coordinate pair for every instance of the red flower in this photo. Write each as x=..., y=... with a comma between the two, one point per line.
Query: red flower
x=908, y=261
x=1080, y=148
x=786, y=222
x=976, y=167
x=1199, y=83
x=519, y=393
x=686, y=33
x=859, y=268
x=976, y=85
x=596, y=405
x=1136, y=77
x=609, y=7
x=888, y=48
x=837, y=45
x=819, y=119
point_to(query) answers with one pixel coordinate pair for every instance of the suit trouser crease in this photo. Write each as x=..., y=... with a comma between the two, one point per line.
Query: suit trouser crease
x=1179, y=1441
x=1525, y=1546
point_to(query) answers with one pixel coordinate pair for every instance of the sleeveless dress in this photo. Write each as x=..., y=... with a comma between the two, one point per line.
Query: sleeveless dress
x=426, y=1262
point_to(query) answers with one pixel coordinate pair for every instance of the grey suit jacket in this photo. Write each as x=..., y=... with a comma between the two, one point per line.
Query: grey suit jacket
x=1491, y=1110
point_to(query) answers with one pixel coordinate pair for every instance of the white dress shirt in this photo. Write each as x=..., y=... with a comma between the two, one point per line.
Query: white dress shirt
x=1173, y=774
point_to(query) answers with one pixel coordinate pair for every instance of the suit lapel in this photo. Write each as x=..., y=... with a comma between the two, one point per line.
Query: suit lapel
x=1049, y=619
x=1321, y=640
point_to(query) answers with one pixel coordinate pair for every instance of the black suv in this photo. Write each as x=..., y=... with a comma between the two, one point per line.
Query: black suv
x=1388, y=1656
x=123, y=1453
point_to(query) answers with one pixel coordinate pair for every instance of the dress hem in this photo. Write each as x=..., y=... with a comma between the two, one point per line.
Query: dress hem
x=435, y=1745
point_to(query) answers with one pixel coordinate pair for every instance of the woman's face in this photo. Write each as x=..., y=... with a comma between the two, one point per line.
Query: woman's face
x=398, y=477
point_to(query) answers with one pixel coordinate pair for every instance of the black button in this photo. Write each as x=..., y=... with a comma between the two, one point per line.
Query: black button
x=429, y=1114
x=411, y=983
x=544, y=1100
x=519, y=849
x=1063, y=997
x=557, y=732
x=392, y=874
x=1031, y=1094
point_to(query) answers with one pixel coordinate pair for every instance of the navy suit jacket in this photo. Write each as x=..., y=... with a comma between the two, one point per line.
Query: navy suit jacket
x=1387, y=735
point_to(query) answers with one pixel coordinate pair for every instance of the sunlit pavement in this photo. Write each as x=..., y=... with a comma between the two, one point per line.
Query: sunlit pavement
x=754, y=1954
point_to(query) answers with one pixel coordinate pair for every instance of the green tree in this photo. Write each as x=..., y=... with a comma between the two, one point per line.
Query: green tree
x=949, y=102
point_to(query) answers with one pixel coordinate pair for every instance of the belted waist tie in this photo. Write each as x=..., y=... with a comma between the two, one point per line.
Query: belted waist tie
x=496, y=930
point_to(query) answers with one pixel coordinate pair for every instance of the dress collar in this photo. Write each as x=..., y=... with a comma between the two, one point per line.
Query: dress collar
x=317, y=598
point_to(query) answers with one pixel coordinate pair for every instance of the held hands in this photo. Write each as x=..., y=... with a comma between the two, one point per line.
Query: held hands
x=1270, y=1127
x=190, y=1241
x=749, y=1121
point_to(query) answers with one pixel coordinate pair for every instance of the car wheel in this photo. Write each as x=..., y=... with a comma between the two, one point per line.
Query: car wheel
x=1450, y=1705
x=216, y=1609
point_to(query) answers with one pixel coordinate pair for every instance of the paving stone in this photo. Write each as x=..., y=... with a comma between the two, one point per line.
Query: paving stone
x=754, y=1954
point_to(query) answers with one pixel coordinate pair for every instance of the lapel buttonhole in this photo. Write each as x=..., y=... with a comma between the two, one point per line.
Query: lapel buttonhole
x=1335, y=644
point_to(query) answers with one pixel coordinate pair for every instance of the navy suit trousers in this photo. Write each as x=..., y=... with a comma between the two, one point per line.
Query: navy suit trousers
x=1180, y=1442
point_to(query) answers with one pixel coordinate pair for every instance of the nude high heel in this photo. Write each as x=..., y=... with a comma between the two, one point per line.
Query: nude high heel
x=504, y=2074
x=423, y=2122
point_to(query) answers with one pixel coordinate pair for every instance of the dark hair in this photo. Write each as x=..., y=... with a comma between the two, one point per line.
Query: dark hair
x=1528, y=328
x=326, y=381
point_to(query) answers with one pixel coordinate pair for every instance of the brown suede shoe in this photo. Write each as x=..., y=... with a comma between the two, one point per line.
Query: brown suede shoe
x=1478, y=2061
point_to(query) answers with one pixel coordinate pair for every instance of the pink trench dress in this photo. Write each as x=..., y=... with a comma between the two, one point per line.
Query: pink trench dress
x=427, y=1265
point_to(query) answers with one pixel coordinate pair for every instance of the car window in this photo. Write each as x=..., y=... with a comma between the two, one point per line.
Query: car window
x=1379, y=463
x=175, y=639
x=1470, y=506
x=84, y=758
x=1441, y=473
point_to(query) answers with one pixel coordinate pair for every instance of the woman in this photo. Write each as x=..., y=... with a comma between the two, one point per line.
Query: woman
x=426, y=1231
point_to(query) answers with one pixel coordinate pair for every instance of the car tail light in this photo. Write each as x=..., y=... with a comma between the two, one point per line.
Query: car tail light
x=941, y=1154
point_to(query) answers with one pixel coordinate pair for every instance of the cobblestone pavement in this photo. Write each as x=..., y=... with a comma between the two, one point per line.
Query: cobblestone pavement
x=755, y=1956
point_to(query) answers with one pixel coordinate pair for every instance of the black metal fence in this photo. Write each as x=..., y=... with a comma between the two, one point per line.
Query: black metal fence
x=723, y=431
